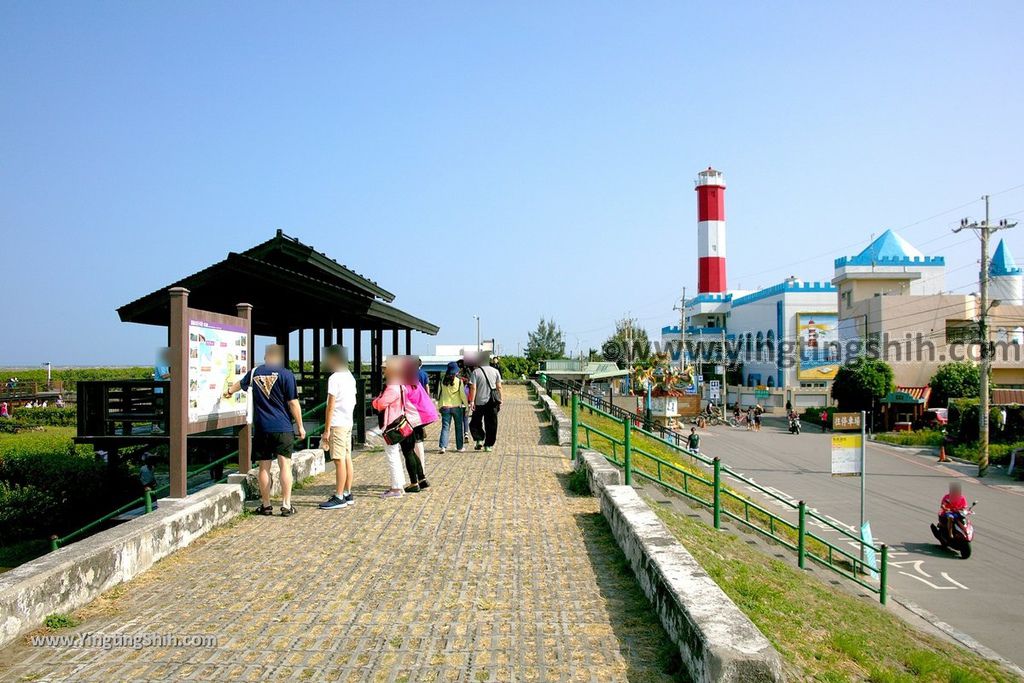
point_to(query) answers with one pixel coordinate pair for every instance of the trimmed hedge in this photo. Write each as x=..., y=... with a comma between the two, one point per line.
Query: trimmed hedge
x=50, y=416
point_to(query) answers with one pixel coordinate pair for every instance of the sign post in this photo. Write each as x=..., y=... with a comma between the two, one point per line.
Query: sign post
x=849, y=457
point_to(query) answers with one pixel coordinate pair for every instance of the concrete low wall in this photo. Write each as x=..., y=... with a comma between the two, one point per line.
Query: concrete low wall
x=716, y=640
x=559, y=421
x=306, y=463
x=73, y=576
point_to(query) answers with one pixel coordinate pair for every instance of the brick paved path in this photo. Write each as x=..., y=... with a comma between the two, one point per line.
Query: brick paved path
x=495, y=573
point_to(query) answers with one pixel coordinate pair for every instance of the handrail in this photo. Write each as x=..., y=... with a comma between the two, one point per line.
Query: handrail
x=147, y=498
x=806, y=544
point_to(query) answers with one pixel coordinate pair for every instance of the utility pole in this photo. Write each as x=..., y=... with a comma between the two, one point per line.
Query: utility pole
x=477, y=332
x=682, y=331
x=984, y=231
x=629, y=344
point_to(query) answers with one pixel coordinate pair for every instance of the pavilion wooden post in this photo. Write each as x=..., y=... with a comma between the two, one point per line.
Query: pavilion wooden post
x=376, y=353
x=245, y=433
x=301, y=374
x=179, y=392
x=357, y=370
x=282, y=340
x=408, y=342
x=317, y=338
x=394, y=342
x=357, y=351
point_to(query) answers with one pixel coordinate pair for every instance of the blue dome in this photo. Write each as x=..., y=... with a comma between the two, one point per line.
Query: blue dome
x=1002, y=262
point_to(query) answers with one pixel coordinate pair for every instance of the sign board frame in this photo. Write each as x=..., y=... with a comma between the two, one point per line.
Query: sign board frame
x=846, y=455
x=842, y=422
x=180, y=427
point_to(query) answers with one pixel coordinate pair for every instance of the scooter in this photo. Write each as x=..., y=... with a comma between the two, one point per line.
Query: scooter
x=962, y=530
x=794, y=425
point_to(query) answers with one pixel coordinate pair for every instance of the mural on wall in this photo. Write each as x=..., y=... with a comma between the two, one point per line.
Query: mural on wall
x=818, y=346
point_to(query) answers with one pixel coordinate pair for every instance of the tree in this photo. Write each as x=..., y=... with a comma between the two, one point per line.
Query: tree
x=617, y=347
x=546, y=342
x=862, y=383
x=514, y=367
x=955, y=380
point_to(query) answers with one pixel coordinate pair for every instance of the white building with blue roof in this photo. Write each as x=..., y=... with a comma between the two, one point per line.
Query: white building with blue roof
x=772, y=337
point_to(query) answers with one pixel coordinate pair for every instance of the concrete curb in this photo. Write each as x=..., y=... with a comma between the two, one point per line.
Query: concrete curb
x=305, y=463
x=716, y=640
x=959, y=636
x=75, y=575
x=561, y=424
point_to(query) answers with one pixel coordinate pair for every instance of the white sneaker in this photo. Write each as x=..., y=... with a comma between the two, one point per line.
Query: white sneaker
x=441, y=450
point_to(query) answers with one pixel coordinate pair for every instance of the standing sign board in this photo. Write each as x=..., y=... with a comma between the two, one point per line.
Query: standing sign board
x=209, y=352
x=715, y=390
x=218, y=356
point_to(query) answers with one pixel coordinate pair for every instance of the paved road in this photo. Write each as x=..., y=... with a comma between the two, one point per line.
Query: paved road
x=982, y=596
x=492, y=574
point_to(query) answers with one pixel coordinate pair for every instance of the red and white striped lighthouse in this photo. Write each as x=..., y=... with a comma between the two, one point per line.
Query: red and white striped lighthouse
x=710, y=231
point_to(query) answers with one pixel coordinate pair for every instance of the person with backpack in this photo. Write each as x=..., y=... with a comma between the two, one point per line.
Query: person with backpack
x=420, y=412
x=484, y=402
x=451, y=399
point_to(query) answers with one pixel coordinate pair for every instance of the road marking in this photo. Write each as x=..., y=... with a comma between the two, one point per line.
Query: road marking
x=926, y=581
x=950, y=579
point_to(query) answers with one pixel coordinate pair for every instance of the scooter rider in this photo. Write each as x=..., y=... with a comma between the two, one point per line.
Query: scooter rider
x=954, y=501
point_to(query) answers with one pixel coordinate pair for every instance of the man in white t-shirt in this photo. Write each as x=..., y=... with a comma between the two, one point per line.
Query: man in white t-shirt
x=337, y=438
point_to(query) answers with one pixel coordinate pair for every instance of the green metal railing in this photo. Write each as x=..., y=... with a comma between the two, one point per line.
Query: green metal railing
x=707, y=490
x=146, y=499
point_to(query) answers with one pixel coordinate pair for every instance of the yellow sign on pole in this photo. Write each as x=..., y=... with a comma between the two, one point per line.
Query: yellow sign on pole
x=846, y=459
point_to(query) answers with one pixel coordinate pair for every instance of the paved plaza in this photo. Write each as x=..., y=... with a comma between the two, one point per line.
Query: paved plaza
x=495, y=573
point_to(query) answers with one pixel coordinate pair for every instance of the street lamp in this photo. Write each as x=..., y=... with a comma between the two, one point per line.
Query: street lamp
x=477, y=318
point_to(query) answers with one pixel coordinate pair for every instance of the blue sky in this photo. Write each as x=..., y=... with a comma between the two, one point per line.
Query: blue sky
x=530, y=159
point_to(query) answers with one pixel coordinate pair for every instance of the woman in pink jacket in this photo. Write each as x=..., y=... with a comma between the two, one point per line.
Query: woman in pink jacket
x=392, y=403
x=404, y=395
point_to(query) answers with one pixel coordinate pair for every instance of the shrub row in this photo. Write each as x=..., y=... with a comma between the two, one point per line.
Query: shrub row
x=72, y=376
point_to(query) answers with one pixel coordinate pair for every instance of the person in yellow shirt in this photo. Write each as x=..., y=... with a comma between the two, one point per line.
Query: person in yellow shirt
x=451, y=399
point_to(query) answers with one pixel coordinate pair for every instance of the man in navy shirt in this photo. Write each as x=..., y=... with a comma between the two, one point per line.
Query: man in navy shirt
x=275, y=404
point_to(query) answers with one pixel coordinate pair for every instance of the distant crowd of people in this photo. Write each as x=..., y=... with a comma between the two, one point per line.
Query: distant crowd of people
x=468, y=397
x=7, y=409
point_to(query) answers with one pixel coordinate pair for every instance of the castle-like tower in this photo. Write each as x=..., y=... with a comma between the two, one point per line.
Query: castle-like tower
x=1007, y=280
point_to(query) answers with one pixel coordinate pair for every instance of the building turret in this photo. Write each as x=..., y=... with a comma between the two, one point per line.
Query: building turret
x=1007, y=280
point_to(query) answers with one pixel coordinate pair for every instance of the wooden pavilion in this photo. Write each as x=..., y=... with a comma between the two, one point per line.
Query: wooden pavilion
x=292, y=288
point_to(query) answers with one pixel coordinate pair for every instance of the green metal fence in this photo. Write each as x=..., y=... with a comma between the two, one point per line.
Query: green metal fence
x=706, y=488
x=147, y=498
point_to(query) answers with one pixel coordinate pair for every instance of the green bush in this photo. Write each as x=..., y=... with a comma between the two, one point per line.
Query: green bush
x=812, y=415
x=50, y=416
x=51, y=486
x=963, y=422
x=21, y=509
x=997, y=452
x=514, y=367
x=922, y=437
